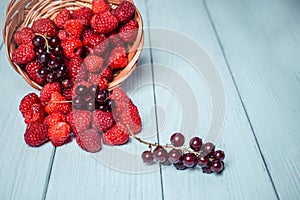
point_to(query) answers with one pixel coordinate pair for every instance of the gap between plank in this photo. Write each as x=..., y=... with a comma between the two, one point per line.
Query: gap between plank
x=49, y=174
x=239, y=95
x=154, y=96
x=1, y=45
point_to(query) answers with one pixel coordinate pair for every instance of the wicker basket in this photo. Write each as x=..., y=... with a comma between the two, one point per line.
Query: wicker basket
x=22, y=13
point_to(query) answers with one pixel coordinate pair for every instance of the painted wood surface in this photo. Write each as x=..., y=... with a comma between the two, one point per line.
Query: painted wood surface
x=254, y=45
x=261, y=43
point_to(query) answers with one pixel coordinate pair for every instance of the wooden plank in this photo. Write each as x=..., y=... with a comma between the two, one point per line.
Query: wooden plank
x=245, y=176
x=262, y=44
x=80, y=175
x=23, y=169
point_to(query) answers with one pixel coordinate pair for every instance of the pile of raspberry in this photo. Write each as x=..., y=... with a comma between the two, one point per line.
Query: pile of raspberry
x=74, y=57
x=87, y=44
x=50, y=117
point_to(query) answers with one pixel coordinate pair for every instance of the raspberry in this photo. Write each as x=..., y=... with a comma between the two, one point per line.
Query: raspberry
x=27, y=102
x=124, y=11
x=89, y=140
x=24, y=36
x=97, y=41
x=62, y=17
x=116, y=40
x=44, y=27
x=84, y=14
x=104, y=23
x=129, y=31
x=76, y=70
x=117, y=135
x=67, y=93
x=32, y=69
x=36, y=134
x=87, y=33
x=93, y=63
x=47, y=90
x=117, y=58
x=74, y=27
x=102, y=120
x=107, y=73
x=72, y=47
x=62, y=35
x=120, y=102
x=103, y=83
x=119, y=95
x=35, y=114
x=58, y=104
x=132, y=118
x=59, y=133
x=54, y=118
x=79, y=120
x=100, y=6
x=94, y=78
x=23, y=54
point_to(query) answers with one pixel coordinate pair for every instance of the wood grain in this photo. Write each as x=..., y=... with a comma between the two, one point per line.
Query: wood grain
x=245, y=176
x=23, y=169
x=262, y=46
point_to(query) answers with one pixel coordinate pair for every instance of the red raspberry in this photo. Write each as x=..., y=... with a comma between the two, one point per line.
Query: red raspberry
x=62, y=17
x=35, y=114
x=100, y=6
x=76, y=70
x=132, y=118
x=23, y=54
x=79, y=120
x=116, y=40
x=103, y=83
x=120, y=102
x=72, y=47
x=47, y=90
x=124, y=11
x=59, y=133
x=54, y=118
x=129, y=31
x=84, y=14
x=44, y=27
x=32, y=71
x=93, y=63
x=104, y=23
x=27, y=102
x=97, y=41
x=119, y=95
x=63, y=35
x=36, y=134
x=24, y=36
x=102, y=120
x=67, y=93
x=94, y=78
x=107, y=73
x=58, y=104
x=118, y=58
x=117, y=135
x=74, y=27
x=89, y=140
x=87, y=33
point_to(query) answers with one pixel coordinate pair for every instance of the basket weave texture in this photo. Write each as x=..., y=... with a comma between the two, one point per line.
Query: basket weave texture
x=22, y=13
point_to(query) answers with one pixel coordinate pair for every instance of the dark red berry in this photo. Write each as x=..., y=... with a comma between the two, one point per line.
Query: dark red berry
x=196, y=143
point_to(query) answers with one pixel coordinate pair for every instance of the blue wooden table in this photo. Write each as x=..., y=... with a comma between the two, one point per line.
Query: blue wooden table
x=255, y=46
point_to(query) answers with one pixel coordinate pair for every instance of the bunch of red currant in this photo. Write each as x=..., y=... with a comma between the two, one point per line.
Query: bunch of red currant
x=198, y=153
x=50, y=56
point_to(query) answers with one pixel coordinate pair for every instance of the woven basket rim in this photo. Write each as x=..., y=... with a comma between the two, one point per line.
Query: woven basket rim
x=13, y=11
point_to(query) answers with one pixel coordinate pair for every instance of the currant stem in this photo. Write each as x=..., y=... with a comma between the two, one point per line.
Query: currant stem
x=168, y=146
x=46, y=42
